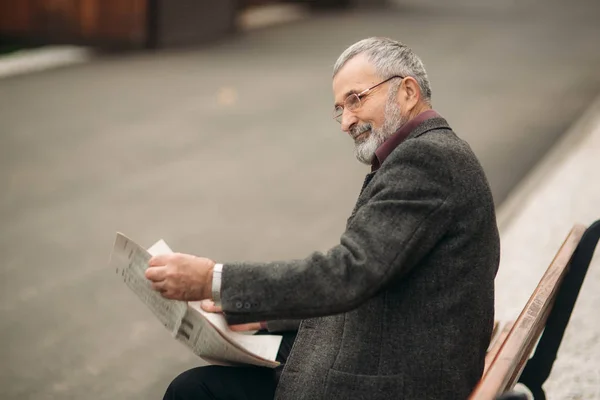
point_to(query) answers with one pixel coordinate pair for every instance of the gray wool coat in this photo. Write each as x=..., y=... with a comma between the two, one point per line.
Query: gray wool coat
x=403, y=306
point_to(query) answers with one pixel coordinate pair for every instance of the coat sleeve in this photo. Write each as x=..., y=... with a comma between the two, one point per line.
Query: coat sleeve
x=409, y=209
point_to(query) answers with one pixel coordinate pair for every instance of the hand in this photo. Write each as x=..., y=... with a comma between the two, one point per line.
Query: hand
x=181, y=276
x=209, y=306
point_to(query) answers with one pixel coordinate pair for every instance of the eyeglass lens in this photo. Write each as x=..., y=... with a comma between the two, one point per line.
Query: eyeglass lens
x=351, y=102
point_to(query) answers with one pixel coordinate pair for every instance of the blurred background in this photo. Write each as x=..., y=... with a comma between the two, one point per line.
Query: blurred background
x=208, y=124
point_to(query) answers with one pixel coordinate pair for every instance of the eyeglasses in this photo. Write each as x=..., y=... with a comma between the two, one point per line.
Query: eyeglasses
x=352, y=102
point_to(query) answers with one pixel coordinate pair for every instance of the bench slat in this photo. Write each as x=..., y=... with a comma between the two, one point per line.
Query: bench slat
x=498, y=339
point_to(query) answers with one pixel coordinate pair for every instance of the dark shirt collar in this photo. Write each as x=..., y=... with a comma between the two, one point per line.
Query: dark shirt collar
x=398, y=137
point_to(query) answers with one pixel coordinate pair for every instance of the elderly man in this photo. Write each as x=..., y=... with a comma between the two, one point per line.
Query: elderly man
x=403, y=306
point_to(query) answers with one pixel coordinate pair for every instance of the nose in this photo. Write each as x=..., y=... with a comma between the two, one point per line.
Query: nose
x=349, y=119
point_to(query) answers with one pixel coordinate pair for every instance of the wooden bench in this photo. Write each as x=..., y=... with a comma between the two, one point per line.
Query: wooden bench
x=548, y=310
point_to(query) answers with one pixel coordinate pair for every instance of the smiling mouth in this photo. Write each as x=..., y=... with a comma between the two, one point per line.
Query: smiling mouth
x=362, y=135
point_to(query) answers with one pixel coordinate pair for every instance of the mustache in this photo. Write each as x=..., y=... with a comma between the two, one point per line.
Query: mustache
x=359, y=130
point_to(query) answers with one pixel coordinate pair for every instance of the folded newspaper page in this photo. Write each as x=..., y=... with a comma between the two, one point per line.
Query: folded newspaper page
x=206, y=334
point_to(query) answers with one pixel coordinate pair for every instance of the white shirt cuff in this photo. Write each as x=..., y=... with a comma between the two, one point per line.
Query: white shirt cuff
x=216, y=284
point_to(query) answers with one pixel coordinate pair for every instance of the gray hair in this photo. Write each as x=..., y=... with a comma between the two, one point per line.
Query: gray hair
x=390, y=58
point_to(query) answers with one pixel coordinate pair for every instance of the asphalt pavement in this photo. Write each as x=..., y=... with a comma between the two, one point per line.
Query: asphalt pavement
x=229, y=151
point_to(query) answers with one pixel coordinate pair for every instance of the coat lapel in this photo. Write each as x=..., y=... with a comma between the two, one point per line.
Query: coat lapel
x=368, y=178
x=361, y=199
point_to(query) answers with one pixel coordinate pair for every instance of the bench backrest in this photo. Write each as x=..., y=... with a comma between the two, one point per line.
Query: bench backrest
x=508, y=357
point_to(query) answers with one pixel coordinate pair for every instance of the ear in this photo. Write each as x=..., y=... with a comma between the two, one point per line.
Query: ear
x=410, y=92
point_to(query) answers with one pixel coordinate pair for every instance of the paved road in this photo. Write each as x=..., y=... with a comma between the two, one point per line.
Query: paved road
x=229, y=151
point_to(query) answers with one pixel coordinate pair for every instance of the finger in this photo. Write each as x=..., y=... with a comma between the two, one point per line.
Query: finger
x=253, y=326
x=171, y=295
x=156, y=274
x=209, y=306
x=160, y=260
x=159, y=286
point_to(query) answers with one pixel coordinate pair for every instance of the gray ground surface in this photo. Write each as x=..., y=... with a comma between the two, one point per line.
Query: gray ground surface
x=230, y=152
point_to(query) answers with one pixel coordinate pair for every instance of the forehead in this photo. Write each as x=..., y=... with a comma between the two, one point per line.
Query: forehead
x=356, y=75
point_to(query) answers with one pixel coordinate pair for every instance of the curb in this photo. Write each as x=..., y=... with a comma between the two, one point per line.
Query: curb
x=552, y=160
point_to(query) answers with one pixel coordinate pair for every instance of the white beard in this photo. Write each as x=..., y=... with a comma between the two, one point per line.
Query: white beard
x=393, y=120
x=365, y=150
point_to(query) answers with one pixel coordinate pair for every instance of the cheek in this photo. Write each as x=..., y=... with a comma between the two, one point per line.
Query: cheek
x=371, y=115
x=376, y=110
x=374, y=119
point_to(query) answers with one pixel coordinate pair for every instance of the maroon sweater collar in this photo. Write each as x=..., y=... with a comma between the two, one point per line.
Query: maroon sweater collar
x=398, y=137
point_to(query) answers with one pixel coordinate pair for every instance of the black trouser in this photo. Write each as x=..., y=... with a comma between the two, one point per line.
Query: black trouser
x=230, y=383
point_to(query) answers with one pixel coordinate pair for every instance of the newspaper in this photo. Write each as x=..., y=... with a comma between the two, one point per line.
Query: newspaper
x=206, y=334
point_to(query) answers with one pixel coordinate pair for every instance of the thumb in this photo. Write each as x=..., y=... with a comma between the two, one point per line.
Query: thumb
x=252, y=326
x=209, y=306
